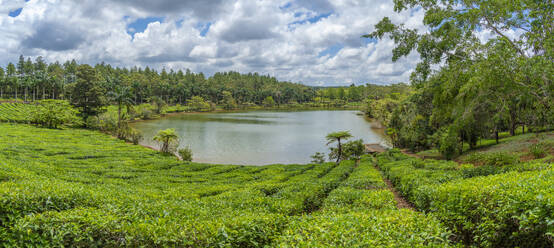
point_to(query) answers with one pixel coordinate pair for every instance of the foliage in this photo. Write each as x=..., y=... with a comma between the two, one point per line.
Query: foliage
x=449, y=145
x=168, y=140
x=478, y=87
x=197, y=103
x=92, y=190
x=228, y=101
x=16, y=112
x=485, y=206
x=54, y=113
x=185, y=154
x=351, y=150
x=337, y=137
x=88, y=96
x=135, y=136
x=538, y=150
x=268, y=101
x=121, y=96
x=318, y=158
x=492, y=158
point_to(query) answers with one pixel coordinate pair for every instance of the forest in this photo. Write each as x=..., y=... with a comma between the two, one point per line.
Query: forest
x=464, y=90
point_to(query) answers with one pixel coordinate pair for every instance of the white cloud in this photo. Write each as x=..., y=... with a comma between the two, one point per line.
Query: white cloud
x=279, y=38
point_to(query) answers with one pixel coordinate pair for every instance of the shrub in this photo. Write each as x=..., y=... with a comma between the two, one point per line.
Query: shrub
x=168, y=140
x=354, y=149
x=449, y=145
x=318, y=158
x=54, y=113
x=135, y=136
x=185, y=154
x=495, y=158
x=538, y=150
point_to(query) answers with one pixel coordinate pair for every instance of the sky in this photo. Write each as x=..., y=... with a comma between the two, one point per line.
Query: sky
x=315, y=42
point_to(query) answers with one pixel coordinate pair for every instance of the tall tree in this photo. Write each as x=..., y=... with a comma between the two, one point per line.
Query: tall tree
x=121, y=96
x=338, y=137
x=87, y=94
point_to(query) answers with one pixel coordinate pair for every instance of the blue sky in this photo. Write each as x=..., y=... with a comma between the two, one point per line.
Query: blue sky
x=316, y=42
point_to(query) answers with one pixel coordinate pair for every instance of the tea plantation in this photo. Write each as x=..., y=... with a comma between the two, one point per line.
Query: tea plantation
x=484, y=206
x=80, y=188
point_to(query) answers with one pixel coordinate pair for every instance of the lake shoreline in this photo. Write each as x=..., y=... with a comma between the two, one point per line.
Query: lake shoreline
x=260, y=137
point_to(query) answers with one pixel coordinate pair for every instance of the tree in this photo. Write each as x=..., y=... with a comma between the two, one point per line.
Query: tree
x=53, y=113
x=337, y=137
x=168, y=140
x=228, y=100
x=158, y=103
x=197, y=103
x=269, y=102
x=3, y=82
x=122, y=96
x=354, y=149
x=318, y=158
x=467, y=88
x=87, y=95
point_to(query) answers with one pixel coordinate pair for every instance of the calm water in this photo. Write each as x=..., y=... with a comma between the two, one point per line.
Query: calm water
x=261, y=137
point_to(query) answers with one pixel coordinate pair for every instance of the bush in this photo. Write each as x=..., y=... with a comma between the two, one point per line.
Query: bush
x=498, y=206
x=494, y=159
x=135, y=136
x=538, y=150
x=54, y=113
x=185, y=154
x=318, y=158
x=353, y=149
x=449, y=145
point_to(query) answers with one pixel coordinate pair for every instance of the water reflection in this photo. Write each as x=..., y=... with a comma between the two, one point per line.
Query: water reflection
x=260, y=137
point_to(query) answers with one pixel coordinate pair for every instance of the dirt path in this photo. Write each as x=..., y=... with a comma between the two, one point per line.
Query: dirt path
x=401, y=202
x=411, y=154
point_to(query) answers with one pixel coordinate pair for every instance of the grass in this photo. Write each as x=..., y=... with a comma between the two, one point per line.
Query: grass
x=518, y=144
x=80, y=188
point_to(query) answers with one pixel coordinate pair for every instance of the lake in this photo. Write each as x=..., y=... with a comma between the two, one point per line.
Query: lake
x=259, y=137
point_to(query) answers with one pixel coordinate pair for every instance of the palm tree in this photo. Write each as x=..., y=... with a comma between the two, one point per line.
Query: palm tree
x=166, y=138
x=122, y=96
x=338, y=136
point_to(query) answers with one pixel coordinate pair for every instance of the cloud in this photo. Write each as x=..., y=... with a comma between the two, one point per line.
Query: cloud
x=315, y=42
x=54, y=36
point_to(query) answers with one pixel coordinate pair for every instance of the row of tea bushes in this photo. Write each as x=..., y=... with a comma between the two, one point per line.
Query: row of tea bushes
x=79, y=188
x=16, y=112
x=361, y=212
x=489, y=206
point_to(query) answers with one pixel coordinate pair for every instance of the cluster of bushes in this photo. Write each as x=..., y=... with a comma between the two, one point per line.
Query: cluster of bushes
x=361, y=212
x=46, y=113
x=486, y=206
x=492, y=158
x=91, y=190
x=16, y=112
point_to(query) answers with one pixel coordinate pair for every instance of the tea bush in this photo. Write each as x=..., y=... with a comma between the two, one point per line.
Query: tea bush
x=80, y=188
x=485, y=206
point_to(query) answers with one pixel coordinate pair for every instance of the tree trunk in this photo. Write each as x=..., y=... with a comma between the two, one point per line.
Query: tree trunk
x=496, y=136
x=339, y=152
x=119, y=119
x=513, y=128
x=26, y=89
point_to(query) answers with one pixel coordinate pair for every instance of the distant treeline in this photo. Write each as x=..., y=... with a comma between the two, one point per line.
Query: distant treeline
x=36, y=80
